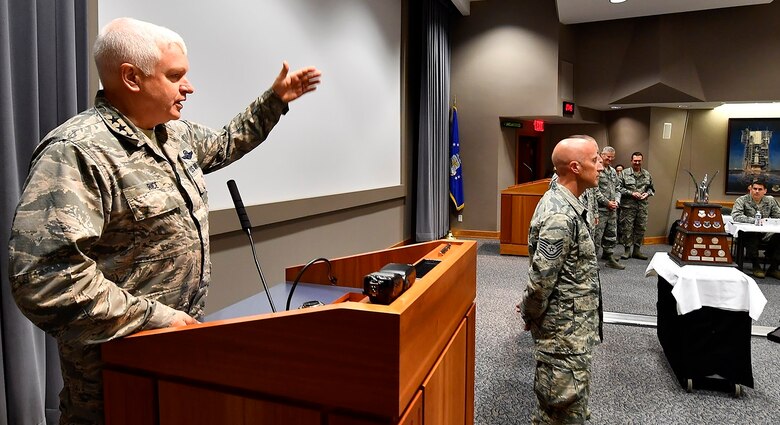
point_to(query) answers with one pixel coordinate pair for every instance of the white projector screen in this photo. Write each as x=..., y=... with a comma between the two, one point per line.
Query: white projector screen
x=342, y=138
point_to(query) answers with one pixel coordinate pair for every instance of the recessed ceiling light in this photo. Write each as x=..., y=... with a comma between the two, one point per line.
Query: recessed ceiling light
x=750, y=110
x=616, y=1
x=615, y=107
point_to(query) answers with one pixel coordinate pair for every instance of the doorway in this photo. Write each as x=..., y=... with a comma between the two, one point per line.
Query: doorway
x=528, y=159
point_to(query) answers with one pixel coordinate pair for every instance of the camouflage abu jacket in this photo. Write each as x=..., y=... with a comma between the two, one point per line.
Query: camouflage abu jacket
x=745, y=208
x=631, y=182
x=111, y=233
x=608, y=188
x=562, y=300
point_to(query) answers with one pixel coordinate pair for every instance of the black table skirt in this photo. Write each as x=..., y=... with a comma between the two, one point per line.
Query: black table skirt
x=704, y=343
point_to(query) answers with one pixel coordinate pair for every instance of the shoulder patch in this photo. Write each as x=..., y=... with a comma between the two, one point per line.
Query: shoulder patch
x=550, y=250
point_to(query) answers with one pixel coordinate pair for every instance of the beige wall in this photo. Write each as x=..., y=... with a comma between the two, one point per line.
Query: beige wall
x=504, y=63
x=662, y=160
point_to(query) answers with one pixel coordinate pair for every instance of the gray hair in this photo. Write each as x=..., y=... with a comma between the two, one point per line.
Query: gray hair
x=128, y=40
x=608, y=149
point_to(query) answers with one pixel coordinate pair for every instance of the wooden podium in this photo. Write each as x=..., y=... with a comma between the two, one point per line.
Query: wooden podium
x=346, y=363
x=518, y=203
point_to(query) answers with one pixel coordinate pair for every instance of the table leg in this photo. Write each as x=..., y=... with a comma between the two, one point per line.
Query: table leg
x=740, y=250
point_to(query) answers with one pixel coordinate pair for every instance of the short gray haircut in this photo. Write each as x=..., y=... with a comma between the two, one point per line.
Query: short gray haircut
x=608, y=149
x=128, y=40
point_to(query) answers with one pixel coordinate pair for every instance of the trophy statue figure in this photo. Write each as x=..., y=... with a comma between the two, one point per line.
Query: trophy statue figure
x=702, y=189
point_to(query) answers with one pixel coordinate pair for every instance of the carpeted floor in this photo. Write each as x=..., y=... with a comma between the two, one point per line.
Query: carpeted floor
x=632, y=382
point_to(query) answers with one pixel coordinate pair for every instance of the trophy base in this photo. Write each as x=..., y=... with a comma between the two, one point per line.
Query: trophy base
x=680, y=262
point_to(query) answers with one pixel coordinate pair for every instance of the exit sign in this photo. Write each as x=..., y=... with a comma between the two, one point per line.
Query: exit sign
x=568, y=109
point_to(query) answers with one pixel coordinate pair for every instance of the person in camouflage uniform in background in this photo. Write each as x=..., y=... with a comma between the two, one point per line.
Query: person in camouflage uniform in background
x=561, y=303
x=744, y=211
x=111, y=233
x=636, y=187
x=608, y=198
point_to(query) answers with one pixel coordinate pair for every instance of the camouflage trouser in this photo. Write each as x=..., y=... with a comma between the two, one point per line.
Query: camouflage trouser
x=81, y=398
x=562, y=390
x=606, y=231
x=633, y=222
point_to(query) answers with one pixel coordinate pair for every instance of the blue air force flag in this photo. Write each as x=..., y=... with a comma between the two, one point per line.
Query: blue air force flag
x=456, y=171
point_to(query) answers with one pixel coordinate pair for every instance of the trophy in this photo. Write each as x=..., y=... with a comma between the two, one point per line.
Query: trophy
x=703, y=188
x=701, y=235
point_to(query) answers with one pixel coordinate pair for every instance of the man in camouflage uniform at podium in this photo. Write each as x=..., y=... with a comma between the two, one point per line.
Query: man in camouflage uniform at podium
x=111, y=233
x=561, y=304
x=636, y=187
x=608, y=198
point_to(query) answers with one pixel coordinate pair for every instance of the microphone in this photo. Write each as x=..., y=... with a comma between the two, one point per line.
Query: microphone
x=246, y=225
x=240, y=210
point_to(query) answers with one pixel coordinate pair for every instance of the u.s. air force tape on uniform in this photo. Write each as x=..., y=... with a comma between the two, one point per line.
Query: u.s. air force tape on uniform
x=550, y=250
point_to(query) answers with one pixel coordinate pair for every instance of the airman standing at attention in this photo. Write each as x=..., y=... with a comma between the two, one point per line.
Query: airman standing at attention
x=561, y=304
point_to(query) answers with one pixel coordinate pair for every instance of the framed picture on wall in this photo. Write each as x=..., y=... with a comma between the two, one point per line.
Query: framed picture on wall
x=753, y=153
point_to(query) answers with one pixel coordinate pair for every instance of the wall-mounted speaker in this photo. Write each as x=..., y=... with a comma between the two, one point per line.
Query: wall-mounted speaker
x=667, y=131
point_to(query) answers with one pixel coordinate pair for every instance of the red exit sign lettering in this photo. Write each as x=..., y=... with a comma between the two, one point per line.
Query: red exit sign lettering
x=568, y=109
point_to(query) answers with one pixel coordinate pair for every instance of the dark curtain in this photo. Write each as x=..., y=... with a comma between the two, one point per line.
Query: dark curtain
x=432, y=170
x=44, y=57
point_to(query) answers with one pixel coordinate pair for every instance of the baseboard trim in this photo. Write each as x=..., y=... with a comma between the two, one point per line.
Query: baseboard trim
x=475, y=234
x=655, y=240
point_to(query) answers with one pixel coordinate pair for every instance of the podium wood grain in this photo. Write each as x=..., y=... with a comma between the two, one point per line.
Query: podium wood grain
x=518, y=203
x=349, y=359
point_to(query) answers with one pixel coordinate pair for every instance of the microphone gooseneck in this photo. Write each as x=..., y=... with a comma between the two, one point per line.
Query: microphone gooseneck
x=246, y=225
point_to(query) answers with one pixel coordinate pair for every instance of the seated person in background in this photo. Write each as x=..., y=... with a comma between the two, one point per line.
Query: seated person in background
x=744, y=211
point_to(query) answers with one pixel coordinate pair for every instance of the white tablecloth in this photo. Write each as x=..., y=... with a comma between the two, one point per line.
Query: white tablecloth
x=771, y=225
x=696, y=286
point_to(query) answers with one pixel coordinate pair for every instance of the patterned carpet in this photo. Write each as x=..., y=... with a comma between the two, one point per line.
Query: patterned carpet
x=632, y=381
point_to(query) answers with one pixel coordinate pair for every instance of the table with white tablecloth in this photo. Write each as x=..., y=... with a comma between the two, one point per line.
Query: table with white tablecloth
x=768, y=225
x=704, y=317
